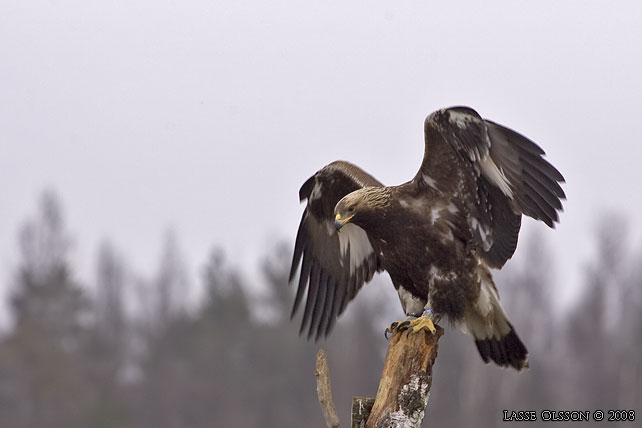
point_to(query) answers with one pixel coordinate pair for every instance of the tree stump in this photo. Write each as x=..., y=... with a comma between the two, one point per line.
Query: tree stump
x=405, y=382
x=403, y=390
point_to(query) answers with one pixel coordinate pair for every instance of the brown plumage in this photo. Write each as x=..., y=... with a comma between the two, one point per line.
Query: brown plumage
x=436, y=235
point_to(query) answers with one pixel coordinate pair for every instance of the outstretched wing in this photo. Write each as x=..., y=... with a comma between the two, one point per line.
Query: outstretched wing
x=494, y=173
x=335, y=264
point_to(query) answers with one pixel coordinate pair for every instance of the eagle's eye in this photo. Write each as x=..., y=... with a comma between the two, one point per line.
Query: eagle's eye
x=351, y=209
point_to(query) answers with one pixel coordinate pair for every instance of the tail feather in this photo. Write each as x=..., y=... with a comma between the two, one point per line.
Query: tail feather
x=494, y=335
x=506, y=351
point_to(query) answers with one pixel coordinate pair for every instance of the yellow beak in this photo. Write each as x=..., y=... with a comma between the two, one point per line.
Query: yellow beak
x=339, y=221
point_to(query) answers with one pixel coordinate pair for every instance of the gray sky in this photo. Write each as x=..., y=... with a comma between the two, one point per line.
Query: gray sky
x=207, y=116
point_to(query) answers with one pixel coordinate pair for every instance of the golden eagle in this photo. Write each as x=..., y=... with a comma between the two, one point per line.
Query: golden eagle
x=437, y=235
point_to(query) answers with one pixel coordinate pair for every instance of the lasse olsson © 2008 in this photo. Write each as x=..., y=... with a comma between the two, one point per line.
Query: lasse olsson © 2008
x=568, y=415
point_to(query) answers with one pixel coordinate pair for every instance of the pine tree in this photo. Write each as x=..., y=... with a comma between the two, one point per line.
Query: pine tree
x=40, y=383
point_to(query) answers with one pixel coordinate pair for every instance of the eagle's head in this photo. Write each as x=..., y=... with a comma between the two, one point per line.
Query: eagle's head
x=357, y=207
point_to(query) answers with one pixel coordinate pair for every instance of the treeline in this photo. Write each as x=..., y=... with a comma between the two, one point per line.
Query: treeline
x=123, y=351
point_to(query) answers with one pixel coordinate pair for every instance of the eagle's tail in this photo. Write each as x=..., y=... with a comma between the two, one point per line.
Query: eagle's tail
x=505, y=351
x=494, y=335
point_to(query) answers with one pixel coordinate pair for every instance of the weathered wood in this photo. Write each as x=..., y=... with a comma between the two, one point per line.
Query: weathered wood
x=324, y=392
x=405, y=383
x=361, y=407
x=403, y=390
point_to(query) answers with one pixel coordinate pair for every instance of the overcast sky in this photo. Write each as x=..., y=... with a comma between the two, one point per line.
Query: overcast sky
x=207, y=116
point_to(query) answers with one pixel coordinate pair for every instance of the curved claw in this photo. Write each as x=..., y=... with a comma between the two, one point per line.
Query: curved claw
x=404, y=325
x=390, y=329
x=421, y=323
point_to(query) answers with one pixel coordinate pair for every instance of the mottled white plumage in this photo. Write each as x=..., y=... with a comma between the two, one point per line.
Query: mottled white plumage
x=355, y=238
x=496, y=176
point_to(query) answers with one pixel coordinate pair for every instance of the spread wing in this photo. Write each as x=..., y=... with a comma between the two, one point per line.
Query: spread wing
x=334, y=264
x=495, y=175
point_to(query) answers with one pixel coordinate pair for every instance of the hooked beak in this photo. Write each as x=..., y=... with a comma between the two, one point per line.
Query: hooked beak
x=340, y=221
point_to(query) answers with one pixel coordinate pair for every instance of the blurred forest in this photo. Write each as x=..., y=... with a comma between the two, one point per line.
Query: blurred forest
x=126, y=351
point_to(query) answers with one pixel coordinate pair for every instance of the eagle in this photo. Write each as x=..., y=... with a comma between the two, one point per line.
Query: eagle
x=438, y=235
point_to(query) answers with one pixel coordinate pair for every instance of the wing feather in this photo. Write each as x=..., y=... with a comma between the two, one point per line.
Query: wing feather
x=319, y=303
x=544, y=167
x=505, y=227
x=544, y=192
x=334, y=264
x=544, y=212
x=327, y=308
x=306, y=267
x=339, y=293
x=495, y=173
x=299, y=243
x=313, y=290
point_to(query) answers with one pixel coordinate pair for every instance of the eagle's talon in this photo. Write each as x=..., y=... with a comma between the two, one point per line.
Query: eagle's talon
x=418, y=324
x=390, y=329
x=412, y=326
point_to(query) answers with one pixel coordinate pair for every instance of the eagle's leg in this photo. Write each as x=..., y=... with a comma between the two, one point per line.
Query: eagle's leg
x=415, y=323
x=417, y=312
